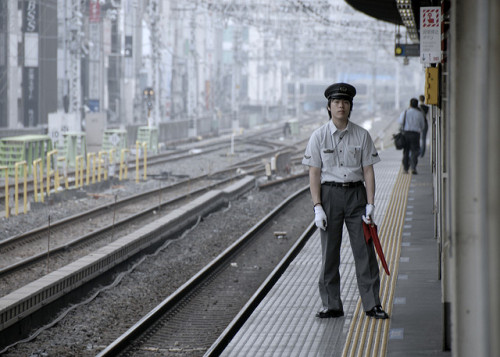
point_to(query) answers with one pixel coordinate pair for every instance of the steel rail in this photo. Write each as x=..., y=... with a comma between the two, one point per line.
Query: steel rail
x=158, y=159
x=104, y=207
x=246, y=163
x=221, y=343
x=198, y=280
x=103, y=231
x=164, y=157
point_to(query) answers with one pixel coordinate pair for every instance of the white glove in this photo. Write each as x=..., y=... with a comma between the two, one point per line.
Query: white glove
x=320, y=217
x=368, y=217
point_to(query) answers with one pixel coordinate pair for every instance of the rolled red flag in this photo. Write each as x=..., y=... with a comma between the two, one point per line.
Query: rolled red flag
x=370, y=231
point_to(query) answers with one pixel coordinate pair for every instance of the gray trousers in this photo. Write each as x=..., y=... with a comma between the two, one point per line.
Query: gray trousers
x=346, y=205
x=411, y=150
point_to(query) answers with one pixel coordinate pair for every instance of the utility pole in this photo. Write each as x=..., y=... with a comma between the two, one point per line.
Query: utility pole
x=265, y=113
x=236, y=77
x=10, y=85
x=154, y=13
x=132, y=103
x=94, y=55
x=177, y=92
x=75, y=86
x=193, y=72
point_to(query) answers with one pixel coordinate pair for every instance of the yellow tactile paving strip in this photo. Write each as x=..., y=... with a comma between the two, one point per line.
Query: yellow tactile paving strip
x=366, y=336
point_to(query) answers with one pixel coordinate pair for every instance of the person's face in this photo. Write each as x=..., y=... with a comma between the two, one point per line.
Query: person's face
x=340, y=109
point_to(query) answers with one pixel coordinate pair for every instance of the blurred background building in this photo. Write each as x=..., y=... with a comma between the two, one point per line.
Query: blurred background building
x=207, y=62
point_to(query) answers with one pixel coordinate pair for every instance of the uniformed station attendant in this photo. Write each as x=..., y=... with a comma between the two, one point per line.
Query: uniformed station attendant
x=340, y=156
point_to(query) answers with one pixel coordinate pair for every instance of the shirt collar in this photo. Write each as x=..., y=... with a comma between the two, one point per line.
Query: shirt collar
x=333, y=128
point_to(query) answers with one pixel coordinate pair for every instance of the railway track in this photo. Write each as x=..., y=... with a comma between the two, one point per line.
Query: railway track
x=153, y=162
x=155, y=204
x=28, y=256
x=48, y=310
x=252, y=139
x=206, y=311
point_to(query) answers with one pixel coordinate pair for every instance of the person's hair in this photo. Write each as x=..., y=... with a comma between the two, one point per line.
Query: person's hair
x=414, y=102
x=328, y=107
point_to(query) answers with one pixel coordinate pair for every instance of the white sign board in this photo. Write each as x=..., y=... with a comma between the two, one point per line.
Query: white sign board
x=430, y=34
x=95, y=124
x=60, y=123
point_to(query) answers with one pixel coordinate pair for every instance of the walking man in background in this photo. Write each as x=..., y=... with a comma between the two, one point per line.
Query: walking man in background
x=412, y=122
x=425, y=109
x=340, y=156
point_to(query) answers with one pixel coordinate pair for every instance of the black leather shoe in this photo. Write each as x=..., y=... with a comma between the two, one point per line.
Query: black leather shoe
x=326, y=313
x=378, y=313
x=414, y=172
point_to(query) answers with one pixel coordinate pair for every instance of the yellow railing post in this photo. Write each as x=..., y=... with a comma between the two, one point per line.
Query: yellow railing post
x=6, y=170
x=145, y=147
x=137, y=152
x=25, y=188
x=65, y=171
x=79, y=171
x=93, y=167
x=38, y=164
x=99, y=162
x=123, y=165
x=112, y=156
x=87, y=172
x=56, y=176
x=91, y=157
x=111, y=162
x=25, y=191
x=77, y=168
x=105, y=164
x=50, y=154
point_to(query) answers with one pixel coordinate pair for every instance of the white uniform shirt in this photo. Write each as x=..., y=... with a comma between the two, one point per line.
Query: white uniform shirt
x=415, y=120
x=341, y=155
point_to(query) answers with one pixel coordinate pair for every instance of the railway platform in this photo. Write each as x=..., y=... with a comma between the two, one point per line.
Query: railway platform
x=284, y=323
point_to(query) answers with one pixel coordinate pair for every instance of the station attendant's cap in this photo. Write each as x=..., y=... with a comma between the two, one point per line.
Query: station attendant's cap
x=340, y=91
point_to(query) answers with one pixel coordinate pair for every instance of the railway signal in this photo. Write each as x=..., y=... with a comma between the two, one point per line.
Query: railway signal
x=148, y=95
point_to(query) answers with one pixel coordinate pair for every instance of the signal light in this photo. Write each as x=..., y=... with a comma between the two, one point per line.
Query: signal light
x=148, y=93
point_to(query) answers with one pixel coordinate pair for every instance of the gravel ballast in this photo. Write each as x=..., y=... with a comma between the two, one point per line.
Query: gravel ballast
x=87, y=328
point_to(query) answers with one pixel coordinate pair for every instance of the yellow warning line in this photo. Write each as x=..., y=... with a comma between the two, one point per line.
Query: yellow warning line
x=366, y=336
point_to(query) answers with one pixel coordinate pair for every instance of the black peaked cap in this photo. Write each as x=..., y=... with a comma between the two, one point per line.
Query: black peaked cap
x=340, y=91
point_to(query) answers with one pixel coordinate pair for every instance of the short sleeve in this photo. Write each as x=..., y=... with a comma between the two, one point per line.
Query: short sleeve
x=312, y=155
x=370, y=153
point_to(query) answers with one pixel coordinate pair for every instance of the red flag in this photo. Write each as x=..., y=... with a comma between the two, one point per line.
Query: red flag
x=370, y=231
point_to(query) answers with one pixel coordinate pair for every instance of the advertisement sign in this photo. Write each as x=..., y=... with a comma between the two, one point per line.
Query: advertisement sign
x=30, y=70
x=30, y=96
x=30, y=17
x=430, y=34
x=94, y=11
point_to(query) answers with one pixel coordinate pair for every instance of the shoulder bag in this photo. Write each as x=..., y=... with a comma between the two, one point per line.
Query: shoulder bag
x=399, y=138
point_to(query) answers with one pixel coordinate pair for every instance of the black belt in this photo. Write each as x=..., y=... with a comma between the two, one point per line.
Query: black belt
x=343, y=184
